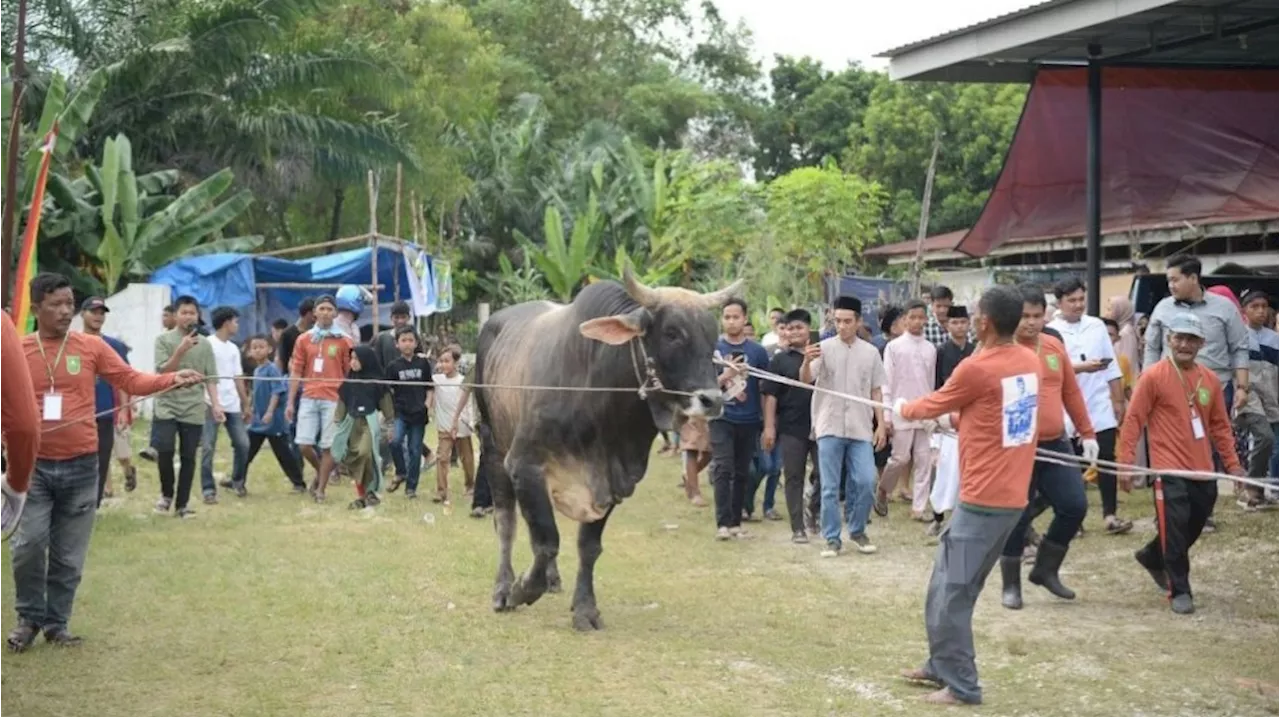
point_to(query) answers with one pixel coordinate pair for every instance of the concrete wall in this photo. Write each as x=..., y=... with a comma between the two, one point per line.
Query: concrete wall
x=134, y=318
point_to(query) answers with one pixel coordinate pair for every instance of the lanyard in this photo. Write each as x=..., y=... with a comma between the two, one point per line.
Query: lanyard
x=49, y=367
x=1189, y=393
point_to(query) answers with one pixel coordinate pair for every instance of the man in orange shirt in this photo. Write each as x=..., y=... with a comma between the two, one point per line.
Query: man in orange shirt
x=321, y=358
x=19, y=424
x=1181, y=405
x=995, y=392
x=50, y=544
x=1062, y=486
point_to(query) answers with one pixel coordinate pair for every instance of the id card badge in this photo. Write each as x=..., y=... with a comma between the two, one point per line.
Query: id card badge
x=1197, y=426
x=53, y=407
x=317, y=366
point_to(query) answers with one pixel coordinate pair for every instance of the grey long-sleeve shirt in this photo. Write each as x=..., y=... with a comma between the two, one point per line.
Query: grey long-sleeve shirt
x=1226, y=339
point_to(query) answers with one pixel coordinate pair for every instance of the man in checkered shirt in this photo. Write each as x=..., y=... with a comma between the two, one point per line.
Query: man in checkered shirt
x=936, y=329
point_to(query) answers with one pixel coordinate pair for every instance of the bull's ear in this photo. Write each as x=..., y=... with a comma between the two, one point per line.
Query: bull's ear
x=618, y=329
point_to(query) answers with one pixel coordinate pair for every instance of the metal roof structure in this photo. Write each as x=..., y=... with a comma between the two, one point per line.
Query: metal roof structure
x=1011, y=47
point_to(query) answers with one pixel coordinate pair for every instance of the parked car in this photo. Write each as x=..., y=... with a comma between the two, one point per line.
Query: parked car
x=1148, y=289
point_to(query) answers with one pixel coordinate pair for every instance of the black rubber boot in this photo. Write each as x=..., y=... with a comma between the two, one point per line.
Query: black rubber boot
x=1011, y=574
x=1045, y=572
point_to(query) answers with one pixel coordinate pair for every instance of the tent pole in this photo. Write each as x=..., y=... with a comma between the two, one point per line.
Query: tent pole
x=373, y=245
x=1093, y=183
x=399, y=260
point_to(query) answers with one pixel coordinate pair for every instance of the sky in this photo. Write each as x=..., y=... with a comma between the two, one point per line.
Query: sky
x=838, y=31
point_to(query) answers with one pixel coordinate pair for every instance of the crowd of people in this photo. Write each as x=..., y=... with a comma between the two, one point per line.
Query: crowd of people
x=945, y=409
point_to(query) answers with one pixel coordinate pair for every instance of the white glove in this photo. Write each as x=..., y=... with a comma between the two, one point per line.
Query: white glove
x=929, y=425
x=897, y=407
x=11, y=509
x=944, y=422
x=1090, y=451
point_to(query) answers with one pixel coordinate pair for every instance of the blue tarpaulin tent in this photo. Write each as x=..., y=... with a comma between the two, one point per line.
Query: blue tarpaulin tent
x=246, y=282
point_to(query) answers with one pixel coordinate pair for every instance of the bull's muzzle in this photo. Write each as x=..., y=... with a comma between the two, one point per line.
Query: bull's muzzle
x=707, y=403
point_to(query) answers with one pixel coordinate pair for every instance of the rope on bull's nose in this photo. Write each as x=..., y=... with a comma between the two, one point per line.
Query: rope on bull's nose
x=1042, y=454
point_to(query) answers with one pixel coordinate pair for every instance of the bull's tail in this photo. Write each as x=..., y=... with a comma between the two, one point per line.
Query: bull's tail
x=484, y=342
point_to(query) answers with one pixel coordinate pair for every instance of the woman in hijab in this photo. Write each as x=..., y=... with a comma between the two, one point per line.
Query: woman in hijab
x=359, y=432
x=1129, y=345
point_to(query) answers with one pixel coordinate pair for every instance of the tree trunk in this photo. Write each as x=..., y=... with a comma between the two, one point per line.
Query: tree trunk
x=335, y=223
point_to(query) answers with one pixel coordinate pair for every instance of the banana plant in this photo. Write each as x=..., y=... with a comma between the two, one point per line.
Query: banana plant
x=132, y=225
x=565, y=265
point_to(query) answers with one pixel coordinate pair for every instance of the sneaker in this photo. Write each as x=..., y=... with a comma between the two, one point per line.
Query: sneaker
x=240, y=490
x=148, y=454
x=934, y=529
x=164, y=504
x=299, y=489
x=881, y=506
x=130, y=479
x=372, y=499
x=742, y=534
x=722, y=533
x=734, y=530
x=410, y=493
x=772, y=515
x=1209, y=527
x=832, y=550
x=226, y=483
x=395, y=484
x=864, y=544
x=799, y=538
x=185, y=513
x=477, y=512
x=1182, y=604
x=210, y=498
x=356, y=504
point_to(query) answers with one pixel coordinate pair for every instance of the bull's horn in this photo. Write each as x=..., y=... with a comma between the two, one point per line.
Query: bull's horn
x=642, y=294
x=716, y=299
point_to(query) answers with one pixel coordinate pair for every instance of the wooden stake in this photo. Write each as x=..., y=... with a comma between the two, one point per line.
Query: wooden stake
x=373, y=245
x=916, y=267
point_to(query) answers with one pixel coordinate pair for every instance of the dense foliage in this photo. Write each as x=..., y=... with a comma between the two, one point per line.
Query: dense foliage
x=544, y=144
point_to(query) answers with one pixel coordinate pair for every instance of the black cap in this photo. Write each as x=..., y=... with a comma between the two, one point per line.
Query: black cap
x=1252, y=296
x=890, y=315
x=849, y=303
x=94, y=303
x=957, y=312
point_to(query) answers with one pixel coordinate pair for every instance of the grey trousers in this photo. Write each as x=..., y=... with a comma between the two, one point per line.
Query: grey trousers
x=52, y=540
x=967, y=551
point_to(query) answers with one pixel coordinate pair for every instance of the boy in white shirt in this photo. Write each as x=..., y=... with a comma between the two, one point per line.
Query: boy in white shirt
x=454, y=420
x=232, y=397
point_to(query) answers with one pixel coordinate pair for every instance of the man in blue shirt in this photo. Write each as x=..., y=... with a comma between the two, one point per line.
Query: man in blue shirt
x=93, y=312
x=735, y=436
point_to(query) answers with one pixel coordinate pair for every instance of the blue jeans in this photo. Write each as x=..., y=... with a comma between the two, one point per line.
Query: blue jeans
x=766, y=467
x=209, y=443
x=52, y=540
x=406, y=451
x=857, y=461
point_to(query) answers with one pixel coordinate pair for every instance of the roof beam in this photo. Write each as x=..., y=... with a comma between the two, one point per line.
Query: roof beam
x=1217, y=33
x=990, y=40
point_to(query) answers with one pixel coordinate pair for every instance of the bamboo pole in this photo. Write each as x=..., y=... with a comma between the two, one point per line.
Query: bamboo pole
x=399, y=260
x=373, y=245
x=322, y=245
x=309, y=285
x=916, y=267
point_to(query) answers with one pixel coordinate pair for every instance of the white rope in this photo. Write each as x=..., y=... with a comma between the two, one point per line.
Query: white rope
x=1042, y=454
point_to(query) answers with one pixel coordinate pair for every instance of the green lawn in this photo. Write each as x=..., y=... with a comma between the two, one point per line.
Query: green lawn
x=272, y=605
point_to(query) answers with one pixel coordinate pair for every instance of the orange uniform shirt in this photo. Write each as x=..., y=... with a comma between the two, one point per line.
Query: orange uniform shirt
x=996, y=392
x=83, y=360
x=1160, y=404
x=331, y=355
x=1058, y=387
x=19, y=414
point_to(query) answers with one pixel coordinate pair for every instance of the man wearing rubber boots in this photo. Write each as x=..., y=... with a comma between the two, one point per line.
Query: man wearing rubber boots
x=1061, y=485
x=1182, y=407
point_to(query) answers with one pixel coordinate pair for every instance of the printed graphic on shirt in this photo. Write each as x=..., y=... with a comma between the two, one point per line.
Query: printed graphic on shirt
x=410, y=374
x=333, y=350
x=1019, y=401
x=1052, y=362
x=1203, y=394
x=73, y=365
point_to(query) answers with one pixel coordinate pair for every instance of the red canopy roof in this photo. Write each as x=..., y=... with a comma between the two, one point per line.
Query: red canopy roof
x=1177, y=145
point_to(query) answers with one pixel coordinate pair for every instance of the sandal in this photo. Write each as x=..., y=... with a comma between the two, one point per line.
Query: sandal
x=60, y=637
x=920, y=677
x=22, y=637
x=319, y=497
x=1116, y=526
x=356, y=504
x=395, y=484
x=130, y=479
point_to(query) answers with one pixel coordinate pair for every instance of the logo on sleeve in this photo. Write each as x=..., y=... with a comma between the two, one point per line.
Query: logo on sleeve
x=73, y=365
x=1051, y=361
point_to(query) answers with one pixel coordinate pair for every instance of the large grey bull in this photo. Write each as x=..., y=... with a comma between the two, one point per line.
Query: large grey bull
x=583, y=452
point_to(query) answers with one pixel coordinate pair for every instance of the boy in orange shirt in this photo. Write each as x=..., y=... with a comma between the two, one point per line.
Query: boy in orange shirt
x=321, y=358
x=995, y=393
x=1181, y=405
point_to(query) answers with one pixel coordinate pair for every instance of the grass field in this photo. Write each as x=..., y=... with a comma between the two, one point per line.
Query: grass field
x=272, y=605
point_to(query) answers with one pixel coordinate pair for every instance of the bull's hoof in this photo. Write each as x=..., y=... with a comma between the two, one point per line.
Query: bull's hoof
x=553, y=583
x=502, y=601
x=526, y=591
x=586, y=619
